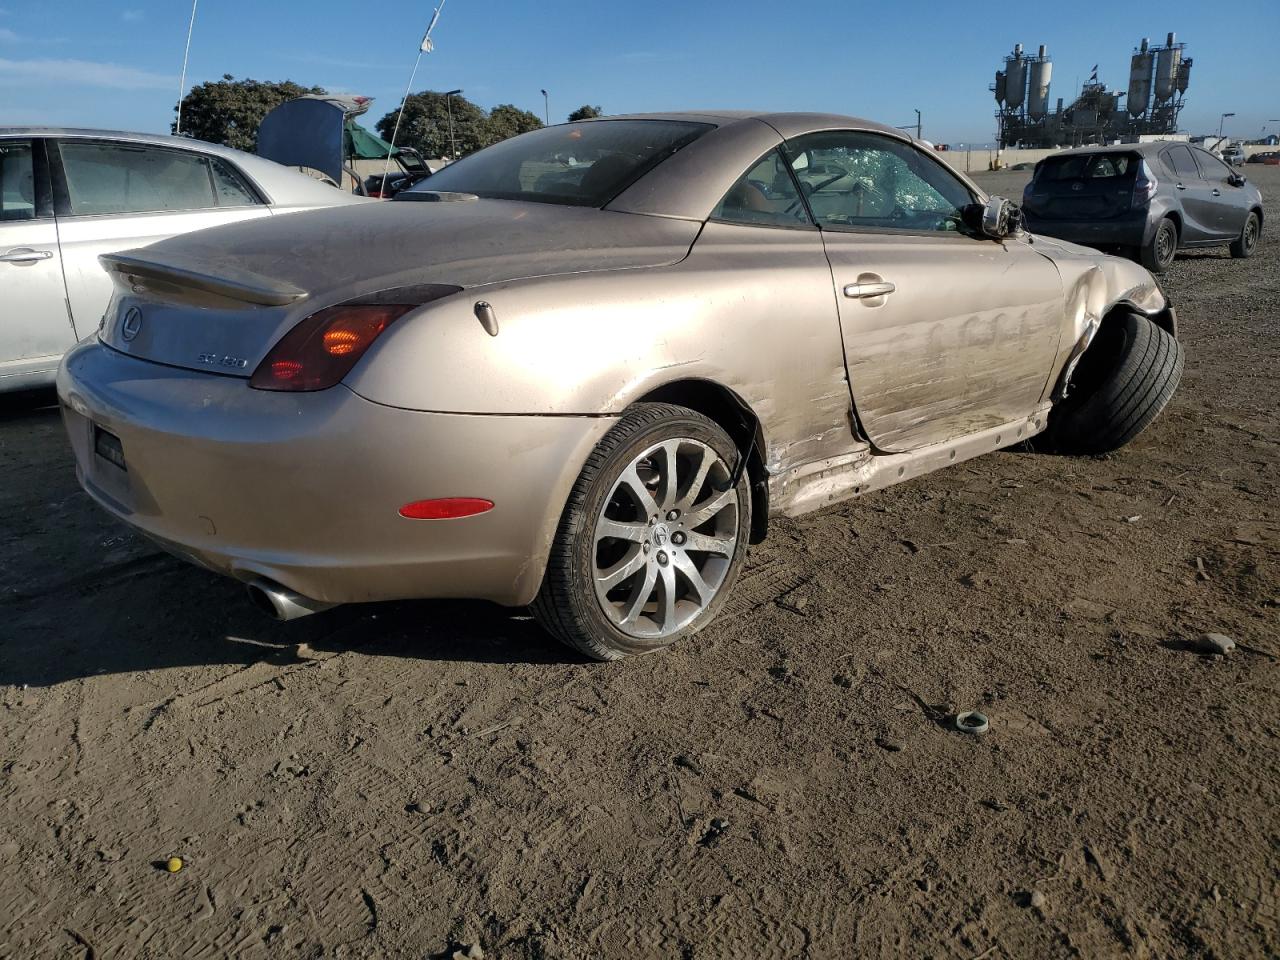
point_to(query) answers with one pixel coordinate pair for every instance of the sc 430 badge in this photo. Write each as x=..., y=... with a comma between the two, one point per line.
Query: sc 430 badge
x=222, y=360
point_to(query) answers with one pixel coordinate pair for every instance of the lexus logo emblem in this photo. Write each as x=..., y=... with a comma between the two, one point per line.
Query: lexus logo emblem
x=131, y=324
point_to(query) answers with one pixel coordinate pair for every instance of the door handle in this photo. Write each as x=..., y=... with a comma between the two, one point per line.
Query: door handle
x=25, y=255
x=863, y=291
x=1180, y=186
x=1217, y=192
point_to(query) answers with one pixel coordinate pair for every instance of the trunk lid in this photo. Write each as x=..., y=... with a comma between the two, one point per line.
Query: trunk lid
x=219, y=299
x=1083, y=186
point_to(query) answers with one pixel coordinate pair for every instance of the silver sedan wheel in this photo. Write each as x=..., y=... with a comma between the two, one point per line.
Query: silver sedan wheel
x=665, y=538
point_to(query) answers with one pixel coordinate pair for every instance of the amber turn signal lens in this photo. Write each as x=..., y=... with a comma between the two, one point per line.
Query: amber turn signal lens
x=340, y=342
x=445, y=508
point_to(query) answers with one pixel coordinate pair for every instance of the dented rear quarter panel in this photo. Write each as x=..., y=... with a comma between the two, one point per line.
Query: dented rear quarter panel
x=750, y=310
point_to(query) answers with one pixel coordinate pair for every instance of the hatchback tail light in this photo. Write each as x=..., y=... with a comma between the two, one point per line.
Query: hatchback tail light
x=1145, y=185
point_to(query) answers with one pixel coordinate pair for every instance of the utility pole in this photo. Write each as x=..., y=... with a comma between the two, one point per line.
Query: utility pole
x=546, y=107
x=917, y=124
x=1221, y=119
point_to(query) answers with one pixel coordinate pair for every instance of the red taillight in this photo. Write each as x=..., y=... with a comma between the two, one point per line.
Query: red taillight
x=445, y=508
x=322, y=349
x=1144, y=186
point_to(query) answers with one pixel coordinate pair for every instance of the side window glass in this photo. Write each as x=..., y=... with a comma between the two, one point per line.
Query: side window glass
x=867, y=180
x=229, y=188
x=105, y=178
x=1211, y=167
x=17, y=181
x=1183, y=164
x=765, y=195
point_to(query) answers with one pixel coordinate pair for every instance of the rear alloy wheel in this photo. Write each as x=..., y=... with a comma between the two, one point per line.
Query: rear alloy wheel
x=651, y=539
x=1122, y=382
x=1157, y=255
x=1247, y=242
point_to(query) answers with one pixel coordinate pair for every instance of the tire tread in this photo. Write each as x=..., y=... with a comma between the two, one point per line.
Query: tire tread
x=553, y=607
x=1128, y=399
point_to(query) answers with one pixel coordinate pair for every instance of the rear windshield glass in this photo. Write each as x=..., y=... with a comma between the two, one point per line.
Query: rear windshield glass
x=583, y=164
x=1088, y=166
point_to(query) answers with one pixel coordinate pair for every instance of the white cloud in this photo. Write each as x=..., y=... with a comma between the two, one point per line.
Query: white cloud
x=131, y=16
x=82, y=73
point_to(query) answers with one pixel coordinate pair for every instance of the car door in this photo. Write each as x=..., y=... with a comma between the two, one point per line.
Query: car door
x=35, y=326
x=114, y=195
x=945, y=333
x=1230, y=204
x=1194, y=195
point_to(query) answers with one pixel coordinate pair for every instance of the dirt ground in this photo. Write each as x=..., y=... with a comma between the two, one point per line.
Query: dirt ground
x=409, y=779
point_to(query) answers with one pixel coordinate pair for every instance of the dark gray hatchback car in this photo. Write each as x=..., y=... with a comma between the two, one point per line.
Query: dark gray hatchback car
x=1149, y=199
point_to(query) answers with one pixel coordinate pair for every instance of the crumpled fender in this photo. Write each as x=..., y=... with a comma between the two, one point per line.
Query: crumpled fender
x=1094, y=284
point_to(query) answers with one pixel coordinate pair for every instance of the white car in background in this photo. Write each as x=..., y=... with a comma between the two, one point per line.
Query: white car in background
x=67, y=196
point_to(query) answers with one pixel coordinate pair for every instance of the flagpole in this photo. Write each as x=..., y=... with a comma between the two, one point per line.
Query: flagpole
x=424, y=47
x=182, y=83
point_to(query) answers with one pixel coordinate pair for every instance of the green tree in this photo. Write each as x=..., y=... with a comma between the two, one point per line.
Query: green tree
x=507, y=120
x=228, y=111
x=585, y=112
x=425, y=126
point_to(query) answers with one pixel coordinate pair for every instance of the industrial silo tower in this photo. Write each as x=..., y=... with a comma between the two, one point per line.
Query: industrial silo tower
x=1015, y=85
x=1140, y=68
x=1038, y=85
x=1168, y=69
x=1158, y=80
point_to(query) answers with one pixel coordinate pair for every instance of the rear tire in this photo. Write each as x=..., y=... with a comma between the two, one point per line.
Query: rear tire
x=1123, y=381
x=651, y=539
x=1157, y=255
x=1245, y=245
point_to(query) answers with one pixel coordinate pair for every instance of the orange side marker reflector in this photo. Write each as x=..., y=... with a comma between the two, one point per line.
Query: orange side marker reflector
x=445, y=508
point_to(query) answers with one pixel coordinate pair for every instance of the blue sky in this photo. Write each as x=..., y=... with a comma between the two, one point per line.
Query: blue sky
x=104, y=63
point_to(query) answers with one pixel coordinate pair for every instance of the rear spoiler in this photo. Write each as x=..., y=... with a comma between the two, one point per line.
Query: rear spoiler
x=229, y=282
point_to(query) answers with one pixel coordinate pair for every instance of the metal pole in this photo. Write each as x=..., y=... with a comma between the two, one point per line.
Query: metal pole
x=917, y=124
x=546, y=107
x=453, y=143
x=424, y=47
x=395, y=131
x=182, y=82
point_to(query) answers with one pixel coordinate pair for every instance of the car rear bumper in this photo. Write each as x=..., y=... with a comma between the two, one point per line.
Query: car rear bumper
x=1122, y=231
x=304, y=489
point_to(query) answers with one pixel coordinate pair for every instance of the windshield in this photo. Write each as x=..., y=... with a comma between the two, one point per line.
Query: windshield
x=1088, y=166
x=583, y=164
x=410, y=160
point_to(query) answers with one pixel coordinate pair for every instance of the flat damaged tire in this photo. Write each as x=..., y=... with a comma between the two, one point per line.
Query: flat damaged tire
x=1122, y=382
x=652, y=537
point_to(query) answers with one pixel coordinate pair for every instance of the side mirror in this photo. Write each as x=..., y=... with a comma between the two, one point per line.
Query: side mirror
x=997, y=218
x=1236, y=179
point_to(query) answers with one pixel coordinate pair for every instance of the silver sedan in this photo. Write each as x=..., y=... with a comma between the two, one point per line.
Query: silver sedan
x=582, y=368
x=67, y=196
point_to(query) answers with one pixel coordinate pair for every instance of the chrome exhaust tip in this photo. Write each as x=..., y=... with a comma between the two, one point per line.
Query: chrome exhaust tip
x=282, y=604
